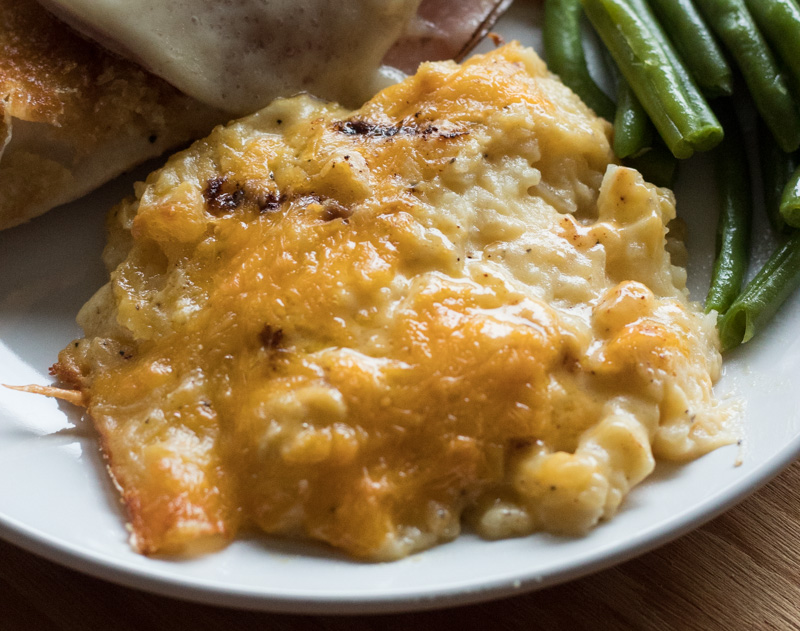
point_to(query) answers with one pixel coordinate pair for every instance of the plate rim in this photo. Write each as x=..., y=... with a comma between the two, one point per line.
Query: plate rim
x=398, y=600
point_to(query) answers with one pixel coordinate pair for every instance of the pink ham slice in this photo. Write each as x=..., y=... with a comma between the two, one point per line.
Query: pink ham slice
x=444, y=29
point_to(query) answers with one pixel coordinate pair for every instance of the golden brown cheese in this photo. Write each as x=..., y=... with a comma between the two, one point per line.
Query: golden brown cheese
x=365, y=327
x=73, y=116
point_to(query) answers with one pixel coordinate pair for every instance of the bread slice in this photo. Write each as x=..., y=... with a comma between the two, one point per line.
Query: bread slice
x=73, y=116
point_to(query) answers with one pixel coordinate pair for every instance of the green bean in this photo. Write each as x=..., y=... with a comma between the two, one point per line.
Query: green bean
x=682, y=117
x=696, y=45
x=734, y=25
x=632, y=129
x=656, y=30
x=779, y=20
x=763, y=295
x=790, y=200
x=564, y=52
x=735, y=209
x=777, y=167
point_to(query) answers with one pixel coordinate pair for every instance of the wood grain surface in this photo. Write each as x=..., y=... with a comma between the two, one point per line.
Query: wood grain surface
x=740, y=571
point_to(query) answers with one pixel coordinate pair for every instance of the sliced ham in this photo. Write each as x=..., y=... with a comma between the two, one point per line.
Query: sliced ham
x=444, y=29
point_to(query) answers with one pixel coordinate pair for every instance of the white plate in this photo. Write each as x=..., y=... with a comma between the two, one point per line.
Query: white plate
x=55, y=499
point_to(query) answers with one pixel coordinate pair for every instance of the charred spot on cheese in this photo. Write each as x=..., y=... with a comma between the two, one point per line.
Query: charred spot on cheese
x=270, y=202
x=378, y=332
x=271, y=338
x=334, y=210
x=367, y=129
x=327, y=208
x=222, y=195
x=372, y=130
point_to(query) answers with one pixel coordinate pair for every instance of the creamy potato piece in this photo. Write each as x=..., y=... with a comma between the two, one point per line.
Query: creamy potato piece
x=238, y=55
x=369, y=327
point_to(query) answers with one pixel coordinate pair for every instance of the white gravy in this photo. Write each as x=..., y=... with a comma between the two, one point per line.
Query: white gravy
x=239, y=55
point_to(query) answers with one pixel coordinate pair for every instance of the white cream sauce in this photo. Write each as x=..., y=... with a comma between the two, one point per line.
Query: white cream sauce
x=239, y=55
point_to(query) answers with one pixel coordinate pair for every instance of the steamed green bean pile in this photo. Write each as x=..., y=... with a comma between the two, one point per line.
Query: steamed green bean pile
x=682, y=69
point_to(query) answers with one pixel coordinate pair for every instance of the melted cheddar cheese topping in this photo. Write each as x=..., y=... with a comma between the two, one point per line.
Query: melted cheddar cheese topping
x=369, y=327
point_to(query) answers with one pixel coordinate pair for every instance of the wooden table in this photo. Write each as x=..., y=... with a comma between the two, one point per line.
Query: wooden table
x=741, y=571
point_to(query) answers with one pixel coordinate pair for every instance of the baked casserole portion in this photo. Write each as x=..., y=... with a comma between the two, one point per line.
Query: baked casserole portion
x=370, y=327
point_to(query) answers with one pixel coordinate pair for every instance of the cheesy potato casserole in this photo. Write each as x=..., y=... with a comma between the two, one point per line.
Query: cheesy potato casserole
x=370, y=327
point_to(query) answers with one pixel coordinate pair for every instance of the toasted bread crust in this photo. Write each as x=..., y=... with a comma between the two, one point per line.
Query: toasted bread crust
x=74, y=115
